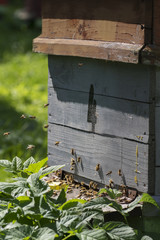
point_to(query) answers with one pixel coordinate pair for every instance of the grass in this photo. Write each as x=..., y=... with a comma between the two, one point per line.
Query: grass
x=23, y=84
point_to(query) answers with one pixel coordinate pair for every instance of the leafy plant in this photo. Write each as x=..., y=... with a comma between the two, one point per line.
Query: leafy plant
x=28, y=210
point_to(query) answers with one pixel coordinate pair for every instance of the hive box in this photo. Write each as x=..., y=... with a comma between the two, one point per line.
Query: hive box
x=104, y=89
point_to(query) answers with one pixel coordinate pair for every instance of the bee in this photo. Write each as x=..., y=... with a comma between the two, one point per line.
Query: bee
x=119, y=172
x=6, y=134
x=46, y=105
x=97, y=167
x=137, y=171
x=72, y=151
x=82, y=183
x=72, y=168
x=69, y=190
x=78, y=159
x=46, y=126
x=79, y=195
x=94, y=193
x=32, y=117
x=23, y=116
x=66, y=177
x=88, y=194
x=135, y=179
x=123, y=186
x=108, y=173
x=80, y=64
x=111, y=183
x=91, y=184
x=57, y=143
x=30, y=147
x=77, y=185
x=95, y=185
x=72, y=163
x=71, y=178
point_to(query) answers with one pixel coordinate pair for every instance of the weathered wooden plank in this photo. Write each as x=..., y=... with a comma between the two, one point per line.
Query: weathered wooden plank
x=157, y=97
x=100, y=30
x=99, y=114
x=112, y=51
x=156, y=22
x=111, y=79
x=111, y=153
x=157, y=181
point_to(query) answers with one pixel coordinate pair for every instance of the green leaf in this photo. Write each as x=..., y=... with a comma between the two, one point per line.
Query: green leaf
x=16, y=164
x=18, y=233
x=62, y=197
x=5, y=163
x=35, y=167
x=49, y=170
x=146, y=238
x=71, y=203
x=29, y=161
x=148, y=199
x=119, y=230
x=132, y=205
x=44, y=233
x=96, y=234
x=37, y=186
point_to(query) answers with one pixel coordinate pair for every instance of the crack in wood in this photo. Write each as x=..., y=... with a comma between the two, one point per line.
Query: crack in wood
x=92, y=118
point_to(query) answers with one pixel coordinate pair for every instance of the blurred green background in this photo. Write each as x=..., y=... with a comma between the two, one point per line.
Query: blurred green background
x=23, y=88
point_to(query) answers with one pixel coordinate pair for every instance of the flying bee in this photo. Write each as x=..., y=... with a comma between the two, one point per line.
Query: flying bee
x=72, y=151
x=46, y=105
x=109, y=173
x=78, y=159
x=23, y=116
x=120, y=172
x=80, y=64
x=32, y=117
x=30, y=147
x=6, y=134
x=57, y=143
x=46, y=126
x=97, y=167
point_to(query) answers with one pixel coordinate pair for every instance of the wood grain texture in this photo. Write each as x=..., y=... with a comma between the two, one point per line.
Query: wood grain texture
x=156, y=23
x=110, y=116
x=99, y=30
x=118, y=80
x=111, y=153
x=112, y=51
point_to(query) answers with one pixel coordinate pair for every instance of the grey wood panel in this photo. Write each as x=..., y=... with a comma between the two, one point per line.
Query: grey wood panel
x=157, y=181
x=158, y=86
x=120, y=80
x=111, y=153
x=157, y=135
x=105, y=115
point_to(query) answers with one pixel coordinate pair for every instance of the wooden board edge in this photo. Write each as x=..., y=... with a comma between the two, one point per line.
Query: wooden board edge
x=111, y=51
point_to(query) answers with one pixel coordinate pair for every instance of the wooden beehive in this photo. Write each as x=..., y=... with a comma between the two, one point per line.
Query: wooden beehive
x=104, y=89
